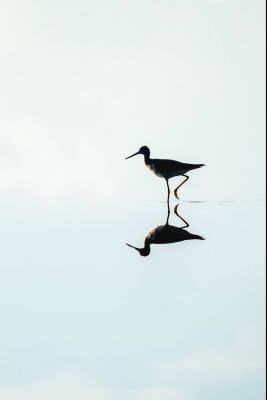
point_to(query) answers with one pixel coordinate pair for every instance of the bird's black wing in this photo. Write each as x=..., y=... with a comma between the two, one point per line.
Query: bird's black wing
x=172, y=166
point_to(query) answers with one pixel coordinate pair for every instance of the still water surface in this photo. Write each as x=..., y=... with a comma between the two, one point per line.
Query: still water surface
x=84, y=316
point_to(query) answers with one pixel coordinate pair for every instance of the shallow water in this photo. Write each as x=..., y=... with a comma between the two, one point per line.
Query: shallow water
x=84, y=316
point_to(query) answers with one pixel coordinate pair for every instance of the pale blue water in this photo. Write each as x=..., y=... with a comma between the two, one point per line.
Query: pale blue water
x=84, y=316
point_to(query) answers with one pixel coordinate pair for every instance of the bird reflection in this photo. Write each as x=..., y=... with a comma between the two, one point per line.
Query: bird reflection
x=164, y=234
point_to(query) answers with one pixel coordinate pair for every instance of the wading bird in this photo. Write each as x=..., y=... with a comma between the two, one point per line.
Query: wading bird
x=164, y=234
x=166, y=168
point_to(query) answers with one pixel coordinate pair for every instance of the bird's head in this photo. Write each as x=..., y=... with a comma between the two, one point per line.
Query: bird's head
x=145, y=251
x=143, y=150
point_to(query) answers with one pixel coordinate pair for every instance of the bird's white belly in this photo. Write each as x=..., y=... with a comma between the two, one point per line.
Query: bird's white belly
x=155, y=171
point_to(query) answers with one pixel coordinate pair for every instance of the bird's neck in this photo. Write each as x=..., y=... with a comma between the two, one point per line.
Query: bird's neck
x=147, y=159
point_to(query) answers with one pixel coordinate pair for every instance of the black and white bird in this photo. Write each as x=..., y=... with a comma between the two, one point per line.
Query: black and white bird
x=166, y=168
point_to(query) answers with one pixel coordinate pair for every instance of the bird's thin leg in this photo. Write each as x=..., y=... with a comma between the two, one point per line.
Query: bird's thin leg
x=179, y=216
x=175, y=192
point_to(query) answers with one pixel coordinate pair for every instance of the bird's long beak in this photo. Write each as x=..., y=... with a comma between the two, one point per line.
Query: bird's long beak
x=135, y=154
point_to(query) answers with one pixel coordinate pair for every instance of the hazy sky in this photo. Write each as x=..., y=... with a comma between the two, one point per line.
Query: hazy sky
x=85, y=83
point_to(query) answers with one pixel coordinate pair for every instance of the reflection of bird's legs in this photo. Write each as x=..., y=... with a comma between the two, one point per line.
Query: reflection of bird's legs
x=168, y=199
x=175, y=192
x=168, y=217
x=179, y=216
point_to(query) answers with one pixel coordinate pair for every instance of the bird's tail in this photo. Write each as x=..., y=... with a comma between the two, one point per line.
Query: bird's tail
x=195, y=166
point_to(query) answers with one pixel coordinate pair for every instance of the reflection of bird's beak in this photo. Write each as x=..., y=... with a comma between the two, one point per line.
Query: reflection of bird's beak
x=135, y=154
x=136, y=248
x=145, y=251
